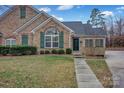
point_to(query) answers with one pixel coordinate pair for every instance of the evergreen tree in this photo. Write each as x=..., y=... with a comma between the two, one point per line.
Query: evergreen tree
x=97, y=18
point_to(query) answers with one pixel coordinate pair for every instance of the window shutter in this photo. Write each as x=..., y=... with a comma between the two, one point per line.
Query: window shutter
x=61, y=40
x=25, y=40
x=42, y=40
x=22, y=11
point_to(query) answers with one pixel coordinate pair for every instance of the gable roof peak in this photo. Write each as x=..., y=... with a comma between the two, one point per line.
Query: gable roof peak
x=12, y=9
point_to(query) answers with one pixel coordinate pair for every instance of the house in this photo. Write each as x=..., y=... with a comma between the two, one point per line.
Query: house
x=25, y=25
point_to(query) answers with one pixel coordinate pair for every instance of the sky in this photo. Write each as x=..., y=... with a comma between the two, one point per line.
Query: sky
x=79, y=12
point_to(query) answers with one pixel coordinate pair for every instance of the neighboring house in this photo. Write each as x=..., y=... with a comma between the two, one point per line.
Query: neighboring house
x=25, y=25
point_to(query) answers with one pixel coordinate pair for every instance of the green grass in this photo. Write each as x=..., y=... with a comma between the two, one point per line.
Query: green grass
x=37, y=71
x=102, y=71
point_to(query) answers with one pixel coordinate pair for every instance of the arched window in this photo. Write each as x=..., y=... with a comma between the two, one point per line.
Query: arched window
x=52, y=38
x=10, y=42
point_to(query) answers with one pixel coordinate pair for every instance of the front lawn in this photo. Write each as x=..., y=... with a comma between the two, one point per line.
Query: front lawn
x=102, y=71
x=37, y=71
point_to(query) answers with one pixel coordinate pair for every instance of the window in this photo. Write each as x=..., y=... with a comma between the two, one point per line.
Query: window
x=25, y=40
x=99, y=42
x=52, y=38
x=88, y=43
x=10, y=42
x=22, y=11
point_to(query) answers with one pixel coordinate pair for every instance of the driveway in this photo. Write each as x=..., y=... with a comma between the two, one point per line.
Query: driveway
x=115, y=61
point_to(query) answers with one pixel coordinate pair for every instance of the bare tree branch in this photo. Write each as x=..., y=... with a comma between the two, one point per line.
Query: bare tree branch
x=119, y=21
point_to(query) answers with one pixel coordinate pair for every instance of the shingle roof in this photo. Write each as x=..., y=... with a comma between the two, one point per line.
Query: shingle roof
x=99, y=31
x=84, y=29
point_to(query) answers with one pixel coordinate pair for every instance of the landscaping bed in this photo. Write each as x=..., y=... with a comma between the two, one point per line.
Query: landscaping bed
x=37, y=71
x=101, y=71
x=17, y=50
x=30, y=50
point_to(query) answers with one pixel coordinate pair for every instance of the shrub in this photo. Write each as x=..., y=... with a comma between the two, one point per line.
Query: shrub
x=42, y=52
x=47, y=52
x=18, y=50
x=61, y=51
x=5, y=52
x=54, y=51
x=28, y=50
x=68, y=51
x=14, y=52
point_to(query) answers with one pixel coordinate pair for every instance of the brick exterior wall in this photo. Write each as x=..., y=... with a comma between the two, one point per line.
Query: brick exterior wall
x=12, y=21
x=29, y=28
x=48, y=25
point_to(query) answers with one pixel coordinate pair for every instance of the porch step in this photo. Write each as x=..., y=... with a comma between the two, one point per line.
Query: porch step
x=77, y=55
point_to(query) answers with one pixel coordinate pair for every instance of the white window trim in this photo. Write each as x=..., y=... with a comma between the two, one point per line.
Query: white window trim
x=51, y=40
x=10, y=39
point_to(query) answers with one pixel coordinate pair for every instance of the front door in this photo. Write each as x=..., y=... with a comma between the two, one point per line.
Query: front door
x=76, y=44
x=0, y=40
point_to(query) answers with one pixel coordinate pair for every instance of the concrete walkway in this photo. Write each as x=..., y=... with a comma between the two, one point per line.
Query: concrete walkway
x=115, y=61
x=84, y=75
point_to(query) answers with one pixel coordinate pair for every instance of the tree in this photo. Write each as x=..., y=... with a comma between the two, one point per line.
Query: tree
x=119, y=21
x=97, y=18
x=111, y=24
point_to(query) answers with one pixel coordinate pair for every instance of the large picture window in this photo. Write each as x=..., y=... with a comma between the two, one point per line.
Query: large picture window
x=10, y=42
x=52, y=38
